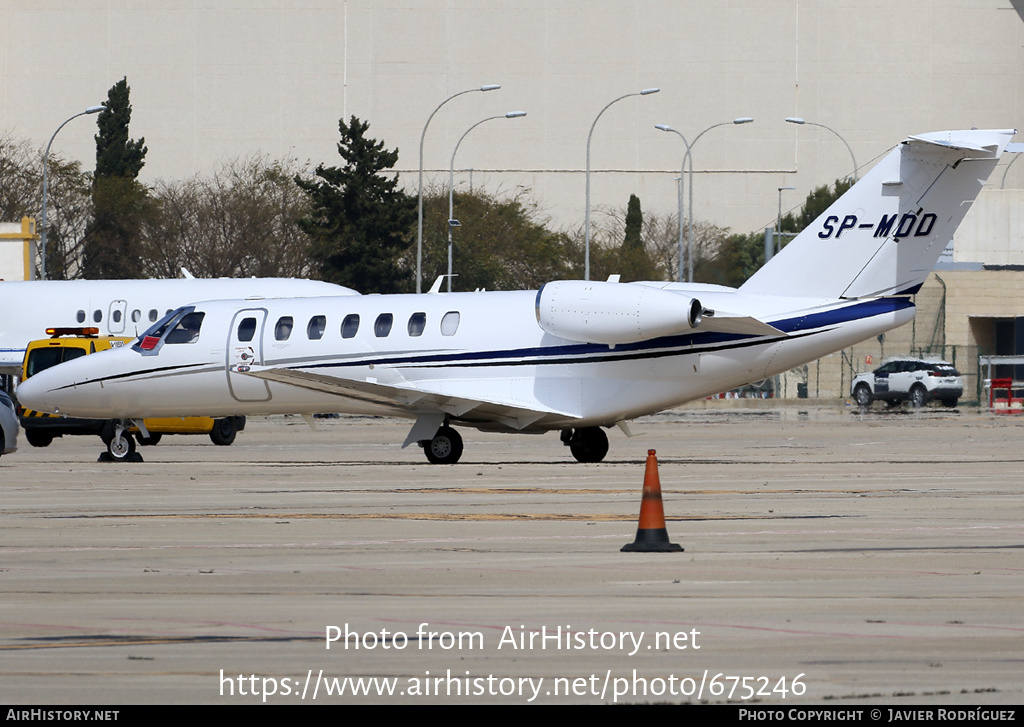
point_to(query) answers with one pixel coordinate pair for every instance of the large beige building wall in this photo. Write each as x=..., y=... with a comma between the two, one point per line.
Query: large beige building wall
x=213, y=80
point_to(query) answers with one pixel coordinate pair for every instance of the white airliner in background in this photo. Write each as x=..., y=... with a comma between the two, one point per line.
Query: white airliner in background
x=120, y=307
x=575, y=356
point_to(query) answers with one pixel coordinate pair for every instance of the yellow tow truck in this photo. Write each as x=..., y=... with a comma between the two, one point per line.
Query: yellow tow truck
x=65, y=344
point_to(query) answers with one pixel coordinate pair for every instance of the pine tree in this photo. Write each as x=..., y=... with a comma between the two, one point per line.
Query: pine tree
x=116, y=154
x=361, y=221
x=634, y=262
x=111, y=249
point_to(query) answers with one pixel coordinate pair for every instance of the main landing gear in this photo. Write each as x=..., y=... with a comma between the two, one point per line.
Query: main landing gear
x=444, y=448
x=587, y=444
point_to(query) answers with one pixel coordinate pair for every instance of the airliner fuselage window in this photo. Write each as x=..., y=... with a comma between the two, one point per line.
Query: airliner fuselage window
x=283, y=329
x=247, y=329
x=417, y=322
x=350, y=326
x=382, y=326
x=450, y=323
x=315, y=329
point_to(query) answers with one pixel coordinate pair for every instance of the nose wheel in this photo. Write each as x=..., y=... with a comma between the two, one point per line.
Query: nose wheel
x=121, y=447
x=120, y=443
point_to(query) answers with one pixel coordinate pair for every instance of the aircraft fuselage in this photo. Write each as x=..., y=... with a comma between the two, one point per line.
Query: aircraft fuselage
x=477, y=356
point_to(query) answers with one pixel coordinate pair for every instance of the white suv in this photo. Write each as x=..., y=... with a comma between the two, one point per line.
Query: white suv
x=909, y=379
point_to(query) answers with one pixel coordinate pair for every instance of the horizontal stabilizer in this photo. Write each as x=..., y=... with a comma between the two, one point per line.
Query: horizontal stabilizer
x=960, y=145
x=729, y=323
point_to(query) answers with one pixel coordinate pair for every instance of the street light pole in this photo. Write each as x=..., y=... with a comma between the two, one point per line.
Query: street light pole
x=419, y=226
x=689, y=156
x=778, y=224
x=46, y=162
x=452, y=222
x=800, y=122
x=679, y=189
x=586, y=224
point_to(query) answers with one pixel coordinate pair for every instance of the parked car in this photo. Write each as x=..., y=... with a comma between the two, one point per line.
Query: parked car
x=915, y=380
x=8, y=425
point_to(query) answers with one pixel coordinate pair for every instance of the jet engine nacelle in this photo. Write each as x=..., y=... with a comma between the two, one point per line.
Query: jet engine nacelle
x=613, y=313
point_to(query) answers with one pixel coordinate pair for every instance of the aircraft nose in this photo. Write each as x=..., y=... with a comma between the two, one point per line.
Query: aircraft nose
x=32, y=394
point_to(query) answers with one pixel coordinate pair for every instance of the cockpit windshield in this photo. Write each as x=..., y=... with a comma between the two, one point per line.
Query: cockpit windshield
x=178, y=326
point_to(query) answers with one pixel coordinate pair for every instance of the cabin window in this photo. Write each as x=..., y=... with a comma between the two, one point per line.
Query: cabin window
x=247, y=329
x=150, y=342
x=80, y=317
x=350, y=326
x=450, y=323
x=417, y=322
x=315, y=329
x=187, y=329
x=382, y=326
x=116, y=315
x=97, y=315
x=152, y=315
x=136, y=315
x=283, y=329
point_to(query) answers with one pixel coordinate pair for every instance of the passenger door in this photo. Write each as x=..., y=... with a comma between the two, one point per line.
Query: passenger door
x=245, y=350
x=116, y=317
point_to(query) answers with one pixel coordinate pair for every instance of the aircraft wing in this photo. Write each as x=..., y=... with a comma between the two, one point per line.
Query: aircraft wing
x=416, y=400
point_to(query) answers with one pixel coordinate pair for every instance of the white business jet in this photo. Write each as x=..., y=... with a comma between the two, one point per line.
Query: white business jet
x=575, y=356
x=120, y=307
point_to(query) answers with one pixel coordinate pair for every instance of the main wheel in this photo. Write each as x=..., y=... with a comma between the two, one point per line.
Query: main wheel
x=445, y=447
x=38, y=437
x=863, y=396
x=121, y=447
x=918, y=397
x=589, y=444
x=224, y=431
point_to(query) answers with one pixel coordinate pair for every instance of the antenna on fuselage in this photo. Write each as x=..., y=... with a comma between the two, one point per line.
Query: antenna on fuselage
x=436, y=287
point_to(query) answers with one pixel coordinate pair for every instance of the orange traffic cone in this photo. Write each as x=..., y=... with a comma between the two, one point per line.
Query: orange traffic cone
x=651, y=535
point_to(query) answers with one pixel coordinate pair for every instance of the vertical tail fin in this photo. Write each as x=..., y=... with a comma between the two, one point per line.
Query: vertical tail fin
x=886, y=233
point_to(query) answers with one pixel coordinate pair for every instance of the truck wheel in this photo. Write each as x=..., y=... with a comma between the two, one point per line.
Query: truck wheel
x=149, y=441
x=918, y=397
x=38, y=438
x=224, y=431
x=863, y=396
